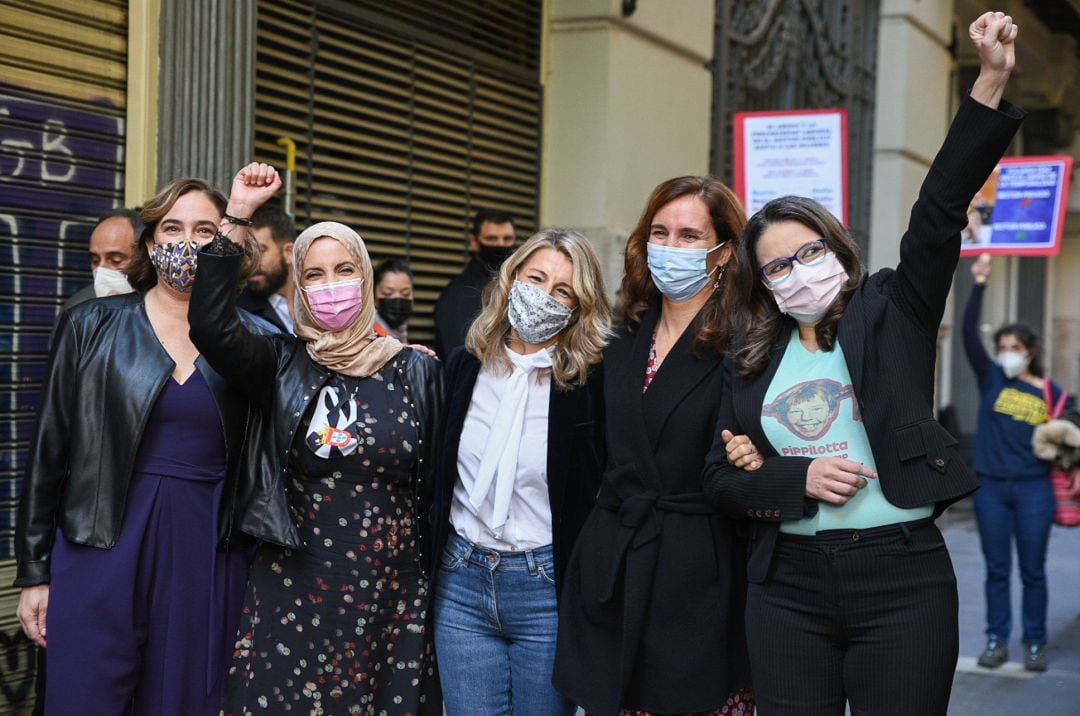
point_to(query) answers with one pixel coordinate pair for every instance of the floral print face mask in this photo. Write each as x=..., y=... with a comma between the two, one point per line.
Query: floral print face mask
x=175, y=263
x=535, y=315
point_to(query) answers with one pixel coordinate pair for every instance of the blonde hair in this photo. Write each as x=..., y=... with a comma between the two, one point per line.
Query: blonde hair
x=581, y=343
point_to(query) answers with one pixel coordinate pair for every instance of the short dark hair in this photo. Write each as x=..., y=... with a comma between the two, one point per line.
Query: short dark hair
x=391, y=266
x=282, y=227
x=1030, y=340
x=132, y=215
x=493, y=215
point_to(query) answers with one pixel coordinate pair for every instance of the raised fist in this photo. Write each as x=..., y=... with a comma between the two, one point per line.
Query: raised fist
x=994, y=36
x=251, y=188
x=980, y=268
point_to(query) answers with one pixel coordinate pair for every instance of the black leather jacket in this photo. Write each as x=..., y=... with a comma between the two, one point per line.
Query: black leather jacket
x=282, y=379
x=106, y=371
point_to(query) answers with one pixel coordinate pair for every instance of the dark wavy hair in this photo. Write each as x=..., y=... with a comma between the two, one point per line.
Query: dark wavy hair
x=1030, y=340
x=728, y=218
x=762, y=323
x=141, y=272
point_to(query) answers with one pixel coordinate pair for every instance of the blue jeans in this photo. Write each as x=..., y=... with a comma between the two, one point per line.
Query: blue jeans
x=1024, y=509
x=495, y=627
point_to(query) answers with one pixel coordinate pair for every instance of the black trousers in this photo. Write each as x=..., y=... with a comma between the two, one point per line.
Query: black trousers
x=861, y=616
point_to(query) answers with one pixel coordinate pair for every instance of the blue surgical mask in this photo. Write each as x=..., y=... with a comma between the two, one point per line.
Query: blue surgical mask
x=679, y=274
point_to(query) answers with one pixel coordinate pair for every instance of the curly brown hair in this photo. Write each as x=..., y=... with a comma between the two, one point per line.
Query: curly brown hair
x=764, y=323
x=714, y=326
x=141, y=272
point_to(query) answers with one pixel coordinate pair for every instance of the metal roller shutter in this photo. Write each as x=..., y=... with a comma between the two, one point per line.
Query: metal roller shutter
x=402, y=129
x=63, y=70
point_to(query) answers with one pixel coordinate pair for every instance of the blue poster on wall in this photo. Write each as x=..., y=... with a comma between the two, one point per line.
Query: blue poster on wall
x=1020, y=211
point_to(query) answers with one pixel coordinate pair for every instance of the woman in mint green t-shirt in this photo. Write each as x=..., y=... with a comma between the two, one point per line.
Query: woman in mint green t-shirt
x=852, y=596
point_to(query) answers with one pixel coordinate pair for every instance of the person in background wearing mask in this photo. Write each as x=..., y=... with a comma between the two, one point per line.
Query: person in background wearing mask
x=393, y=299
x=1016, y=500
x=852, y=596
x=490, y=243
x=130, y=569
x=269, y=291
x=336, y=615
x=518, y=467
x=651, y=613
x=112, y=243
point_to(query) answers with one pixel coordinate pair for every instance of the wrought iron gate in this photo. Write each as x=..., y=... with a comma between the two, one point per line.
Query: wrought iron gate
x=799, y=54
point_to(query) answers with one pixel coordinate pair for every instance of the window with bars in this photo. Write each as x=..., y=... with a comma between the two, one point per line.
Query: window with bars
x=403, y=127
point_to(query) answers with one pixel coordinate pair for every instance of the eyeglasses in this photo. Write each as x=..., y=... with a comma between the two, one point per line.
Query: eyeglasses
x=779, y=269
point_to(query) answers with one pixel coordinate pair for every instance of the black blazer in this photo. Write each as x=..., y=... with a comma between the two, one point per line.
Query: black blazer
x=260, y=307
x=889, y=336
x=106, y=371
x=574, y=464
x=651, y=615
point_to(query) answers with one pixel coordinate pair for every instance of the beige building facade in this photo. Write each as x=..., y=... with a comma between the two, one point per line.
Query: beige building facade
x=627, y=105
x=412, y=122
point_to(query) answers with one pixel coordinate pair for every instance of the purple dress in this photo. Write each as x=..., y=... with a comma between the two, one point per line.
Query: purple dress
x=146, y=627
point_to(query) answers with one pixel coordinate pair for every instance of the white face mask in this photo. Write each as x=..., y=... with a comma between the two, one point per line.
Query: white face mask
x=1012, y=363
x=110, y=282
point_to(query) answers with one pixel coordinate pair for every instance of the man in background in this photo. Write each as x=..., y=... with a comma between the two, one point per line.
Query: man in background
x=490, y=243
x=112, y=242
x=269, y=292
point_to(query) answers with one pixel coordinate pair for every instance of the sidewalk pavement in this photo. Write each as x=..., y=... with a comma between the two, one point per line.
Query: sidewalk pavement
x=1009, y=689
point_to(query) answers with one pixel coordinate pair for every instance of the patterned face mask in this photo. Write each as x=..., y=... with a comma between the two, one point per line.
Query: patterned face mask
x=175, y=263
x=535, y=315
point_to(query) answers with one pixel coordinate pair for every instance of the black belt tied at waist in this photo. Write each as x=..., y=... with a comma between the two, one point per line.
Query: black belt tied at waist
x=639, y=523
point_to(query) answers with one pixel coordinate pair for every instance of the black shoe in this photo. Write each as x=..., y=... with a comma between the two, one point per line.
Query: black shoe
x=996, y=654
x=1034, y=657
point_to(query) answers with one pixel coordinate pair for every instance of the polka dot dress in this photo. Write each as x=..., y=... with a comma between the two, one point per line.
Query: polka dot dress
x=340, y=626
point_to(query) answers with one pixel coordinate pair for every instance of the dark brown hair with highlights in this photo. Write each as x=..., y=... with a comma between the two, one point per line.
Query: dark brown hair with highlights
x=728, y=218
x=141, y=272
x=763, y=322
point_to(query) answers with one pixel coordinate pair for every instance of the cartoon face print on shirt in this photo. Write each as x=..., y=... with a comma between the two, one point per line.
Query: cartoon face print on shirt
x=809, y=409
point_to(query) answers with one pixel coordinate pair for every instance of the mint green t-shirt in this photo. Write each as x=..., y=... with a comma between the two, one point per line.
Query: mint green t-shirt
x=810, y=410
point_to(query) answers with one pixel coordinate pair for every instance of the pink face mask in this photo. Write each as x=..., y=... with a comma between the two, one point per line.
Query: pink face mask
x=808, y=291
x=335, y=306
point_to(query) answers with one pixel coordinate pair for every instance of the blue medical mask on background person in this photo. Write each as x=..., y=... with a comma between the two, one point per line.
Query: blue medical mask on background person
x=679, y=274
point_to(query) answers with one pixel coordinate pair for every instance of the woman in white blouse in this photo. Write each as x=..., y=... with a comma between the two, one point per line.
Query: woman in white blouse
x=518, y=467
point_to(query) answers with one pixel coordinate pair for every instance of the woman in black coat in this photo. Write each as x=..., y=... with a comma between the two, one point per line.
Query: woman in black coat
x=519, y=462
x=652, y=602
x=852, y=595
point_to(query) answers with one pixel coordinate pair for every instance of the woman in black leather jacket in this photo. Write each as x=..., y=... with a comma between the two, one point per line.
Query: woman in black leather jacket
x=130, y=492
x=336, y=611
